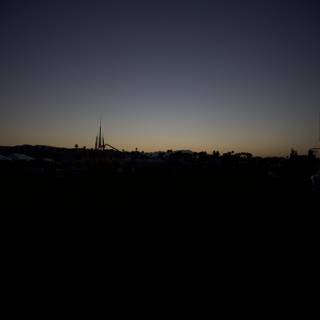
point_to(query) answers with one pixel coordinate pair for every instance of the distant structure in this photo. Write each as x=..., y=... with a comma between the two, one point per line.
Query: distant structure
x=316, y=151
x=100, y=144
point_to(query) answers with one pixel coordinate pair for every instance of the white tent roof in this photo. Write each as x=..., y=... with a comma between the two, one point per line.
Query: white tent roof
x=4, y=158
x=20, y=156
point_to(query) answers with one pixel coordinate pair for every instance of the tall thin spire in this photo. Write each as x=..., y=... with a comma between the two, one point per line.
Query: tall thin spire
x=100, y=138
x=99, y=145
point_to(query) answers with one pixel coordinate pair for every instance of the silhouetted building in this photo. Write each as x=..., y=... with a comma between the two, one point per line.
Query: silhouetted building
x=99, y=145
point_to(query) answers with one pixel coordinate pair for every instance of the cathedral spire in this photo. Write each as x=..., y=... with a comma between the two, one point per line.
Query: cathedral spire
x=100, y=139
x=99, y=145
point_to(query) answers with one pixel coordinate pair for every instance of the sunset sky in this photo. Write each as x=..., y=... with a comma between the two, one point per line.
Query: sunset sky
x=201, y=75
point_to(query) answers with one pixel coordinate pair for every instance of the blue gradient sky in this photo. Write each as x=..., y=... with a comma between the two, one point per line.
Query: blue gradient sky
x=201, y=75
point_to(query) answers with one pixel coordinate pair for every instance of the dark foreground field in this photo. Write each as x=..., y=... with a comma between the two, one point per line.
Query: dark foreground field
x=158, y=243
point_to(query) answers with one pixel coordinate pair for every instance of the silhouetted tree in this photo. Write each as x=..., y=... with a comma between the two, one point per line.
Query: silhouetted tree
x=293, y=154
x=311, y=154
x=76, y=146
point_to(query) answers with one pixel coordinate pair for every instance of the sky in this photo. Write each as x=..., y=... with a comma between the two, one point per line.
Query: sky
x=202, y=75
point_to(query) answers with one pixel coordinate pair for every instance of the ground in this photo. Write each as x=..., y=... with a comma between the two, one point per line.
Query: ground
x=159, y=242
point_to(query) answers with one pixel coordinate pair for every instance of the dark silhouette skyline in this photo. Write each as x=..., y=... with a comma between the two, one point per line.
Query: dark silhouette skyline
x=121, y=235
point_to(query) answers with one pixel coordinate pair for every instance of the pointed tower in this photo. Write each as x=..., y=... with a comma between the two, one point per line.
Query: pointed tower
x=100, y=138
x=99, y=145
